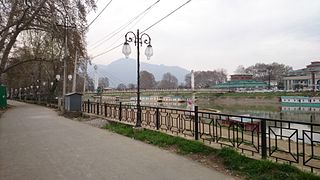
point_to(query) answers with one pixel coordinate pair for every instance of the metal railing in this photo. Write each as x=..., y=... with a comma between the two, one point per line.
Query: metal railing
x=287, y=141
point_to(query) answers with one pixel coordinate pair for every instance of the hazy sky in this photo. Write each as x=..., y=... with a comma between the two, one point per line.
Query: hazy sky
x=213, y=34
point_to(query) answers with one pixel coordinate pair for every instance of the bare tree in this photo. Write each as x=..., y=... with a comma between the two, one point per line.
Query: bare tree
x=205, y=79
x=147, y=80
x=168, y=81
x=240, y=70
x=131, y=86
x=265, y=72
x=103, y=82
x=121, y=86
x=90, y=84
x=19, y=19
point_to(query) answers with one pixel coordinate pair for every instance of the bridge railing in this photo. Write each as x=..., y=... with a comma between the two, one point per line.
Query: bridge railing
x=286, y=141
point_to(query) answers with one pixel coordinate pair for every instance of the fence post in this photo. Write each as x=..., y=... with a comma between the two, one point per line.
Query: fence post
x=196, y=125
x=98, y=108
x=92, y=108
x=157, y=118
x=120, y=111
x=263, y=139
x=88, y=107
x=105, y=109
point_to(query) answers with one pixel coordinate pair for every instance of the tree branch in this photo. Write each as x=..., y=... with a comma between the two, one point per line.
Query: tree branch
x=23, y=62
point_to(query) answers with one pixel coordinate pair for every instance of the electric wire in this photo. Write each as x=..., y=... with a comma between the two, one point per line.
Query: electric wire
x=115, y=47
x=111, y=45
x=106, y=51
x=118, y=30
x=99, y=14
x=166, y=16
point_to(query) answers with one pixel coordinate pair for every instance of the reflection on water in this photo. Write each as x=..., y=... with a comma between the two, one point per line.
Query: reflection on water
x=159, y=104
x=276, y=111
x=273, y=111
x=296, y=132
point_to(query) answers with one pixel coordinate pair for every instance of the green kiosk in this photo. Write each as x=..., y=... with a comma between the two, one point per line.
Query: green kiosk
x=3, y=97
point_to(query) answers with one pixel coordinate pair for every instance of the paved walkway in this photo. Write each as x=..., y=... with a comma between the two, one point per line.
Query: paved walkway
x=36, y=143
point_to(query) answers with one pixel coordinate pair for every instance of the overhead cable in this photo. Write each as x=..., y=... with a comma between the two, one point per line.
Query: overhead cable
x=166, y=16
x=107, y=51
x=145, y=29
x=118, y=30
x=99, y=13
x=111, y=45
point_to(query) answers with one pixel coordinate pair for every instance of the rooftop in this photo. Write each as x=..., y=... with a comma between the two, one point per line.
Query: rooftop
x=241, y=84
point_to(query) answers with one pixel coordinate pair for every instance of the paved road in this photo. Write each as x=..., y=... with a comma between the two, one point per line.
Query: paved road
x=36, y=143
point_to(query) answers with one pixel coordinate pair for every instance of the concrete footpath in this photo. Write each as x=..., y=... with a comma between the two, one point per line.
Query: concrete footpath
x=36, y=143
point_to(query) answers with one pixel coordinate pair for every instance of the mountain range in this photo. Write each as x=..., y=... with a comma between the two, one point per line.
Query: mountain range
x=125, y=71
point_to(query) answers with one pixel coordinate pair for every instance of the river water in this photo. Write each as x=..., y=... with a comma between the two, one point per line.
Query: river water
x=273, y=110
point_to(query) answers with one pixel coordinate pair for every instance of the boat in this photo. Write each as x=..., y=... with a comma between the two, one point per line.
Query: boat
x=175, y=99
x=300, y=101
x=210, y=110
x=299, y=109
x=247, y=123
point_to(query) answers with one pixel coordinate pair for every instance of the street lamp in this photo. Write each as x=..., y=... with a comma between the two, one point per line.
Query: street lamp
x=42, y=92
x=69, y=77
x=58, y=77
x=126, y=50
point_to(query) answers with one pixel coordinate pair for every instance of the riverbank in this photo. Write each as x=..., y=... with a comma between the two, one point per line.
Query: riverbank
x=227, y=97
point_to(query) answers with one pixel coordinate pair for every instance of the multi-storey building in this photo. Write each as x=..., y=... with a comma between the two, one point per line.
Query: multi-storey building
x=304, y=79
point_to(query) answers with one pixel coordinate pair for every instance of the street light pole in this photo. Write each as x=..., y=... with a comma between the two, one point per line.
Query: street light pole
x=126, y=50
x=65, y=62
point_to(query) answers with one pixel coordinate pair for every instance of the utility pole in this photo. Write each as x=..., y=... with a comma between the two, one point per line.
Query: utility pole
x=75, y=72
x=65, y=62
x=85, y=77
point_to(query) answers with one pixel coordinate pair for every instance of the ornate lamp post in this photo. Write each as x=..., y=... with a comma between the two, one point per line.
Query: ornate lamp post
x=126, y=50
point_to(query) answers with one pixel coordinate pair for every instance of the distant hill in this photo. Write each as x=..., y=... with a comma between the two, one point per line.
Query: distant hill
x=125, y=71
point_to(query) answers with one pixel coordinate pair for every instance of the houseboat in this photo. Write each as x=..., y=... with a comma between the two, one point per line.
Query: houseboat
x=302, y=109
x=148, y=98
x=300, y=101
x=174, y=99
x=160, y=99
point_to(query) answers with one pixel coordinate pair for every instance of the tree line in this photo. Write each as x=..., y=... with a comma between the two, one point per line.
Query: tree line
x=266, y=72
x=205, y=79
x=35, y=38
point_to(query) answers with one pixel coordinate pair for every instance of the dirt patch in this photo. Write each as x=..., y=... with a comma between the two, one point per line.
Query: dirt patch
x=212, y=162
x=99, y=123
x=90, y=120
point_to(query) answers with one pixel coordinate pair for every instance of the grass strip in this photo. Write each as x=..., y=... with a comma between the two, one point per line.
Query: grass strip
x=182, y=145
x=237, y=163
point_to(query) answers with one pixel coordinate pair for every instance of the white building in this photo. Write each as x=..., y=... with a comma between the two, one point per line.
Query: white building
x=304, y=79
